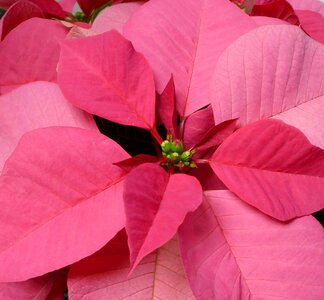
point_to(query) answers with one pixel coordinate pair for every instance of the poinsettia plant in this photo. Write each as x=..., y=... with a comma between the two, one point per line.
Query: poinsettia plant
x=226, y=164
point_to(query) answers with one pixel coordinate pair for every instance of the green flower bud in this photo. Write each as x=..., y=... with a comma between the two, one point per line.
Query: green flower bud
x=166, y=146
x=185, y=156
x=175, y=157
x=177, y=146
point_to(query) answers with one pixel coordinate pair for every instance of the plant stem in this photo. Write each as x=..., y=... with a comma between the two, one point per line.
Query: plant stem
x=201, y=161
x=156, y=135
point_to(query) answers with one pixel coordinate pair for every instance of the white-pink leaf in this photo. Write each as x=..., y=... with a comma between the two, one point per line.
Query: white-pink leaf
x=261, y=21
x=61, y=200
x=314, y=5
x=185, y=38
x=232, y=251
x=265, y=72
x=105, y=274
x=308, y=118
x=115, y=17
x=35, y=105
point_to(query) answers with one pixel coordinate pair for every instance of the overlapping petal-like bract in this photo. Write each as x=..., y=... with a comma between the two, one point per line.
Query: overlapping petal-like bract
x=115, y=17
x=35, y=105
x=22, y=58
x=185, y=38
x=159, y=275
x=273, y=167
x=18, y=13
x=307, y=117
x=50, y=8
x=232, y=251
x=196, y=125
x=156, y=203
x=313, y=5
x=166, y=108
x=312, y=23
x=61, y=200
x=266, y=72
x=280, y=9
x=36, y=288
x=92, y=72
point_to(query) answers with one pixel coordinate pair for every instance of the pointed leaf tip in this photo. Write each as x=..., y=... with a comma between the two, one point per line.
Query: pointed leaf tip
x=273, y=167
x=166, y=107
x=92, y=72
x=61, y=200
x=155, y=206
x=186, y=47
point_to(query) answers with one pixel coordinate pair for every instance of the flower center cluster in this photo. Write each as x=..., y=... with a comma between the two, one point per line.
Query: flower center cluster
x=175, y=156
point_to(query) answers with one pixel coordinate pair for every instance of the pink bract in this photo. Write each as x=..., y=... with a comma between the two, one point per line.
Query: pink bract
x=18, y=13
x=159, y=27
x=312, y=23
x=153, y=218
x=242, y=245
x=100, y=87
x=63, y=215
x=21, y=49
x=268, y=164
x=159, y=274
x=35, y=105
x=266, y=72
x=115, y=17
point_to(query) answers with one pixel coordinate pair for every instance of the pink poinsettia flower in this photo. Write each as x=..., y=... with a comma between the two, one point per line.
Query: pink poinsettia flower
x=65, y=192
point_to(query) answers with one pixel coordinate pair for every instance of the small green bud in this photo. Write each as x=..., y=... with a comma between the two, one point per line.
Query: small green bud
x=166, y=146
x=79, y=16
x=175, y=157
x=177, y=146
x=185, y=156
